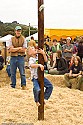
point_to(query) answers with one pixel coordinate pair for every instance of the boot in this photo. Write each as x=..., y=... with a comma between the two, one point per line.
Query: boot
x=24, y=87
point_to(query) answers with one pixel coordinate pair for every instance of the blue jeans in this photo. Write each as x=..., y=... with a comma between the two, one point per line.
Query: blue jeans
x=36, y=89
x=8, y=70
x=17, y=61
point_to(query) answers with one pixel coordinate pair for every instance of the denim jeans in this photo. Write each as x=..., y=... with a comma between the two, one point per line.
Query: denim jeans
x=36, y=89
x=8, y=70
x=17, y=61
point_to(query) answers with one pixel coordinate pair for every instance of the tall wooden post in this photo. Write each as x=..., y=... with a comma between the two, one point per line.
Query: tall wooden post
x=29, y=29
x=5, y=52
x=40, y=57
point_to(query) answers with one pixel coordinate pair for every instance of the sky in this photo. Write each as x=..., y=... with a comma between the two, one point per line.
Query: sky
x=59, y=14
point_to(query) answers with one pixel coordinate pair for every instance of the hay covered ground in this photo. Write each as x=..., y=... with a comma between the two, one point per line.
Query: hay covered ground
x=65, y=106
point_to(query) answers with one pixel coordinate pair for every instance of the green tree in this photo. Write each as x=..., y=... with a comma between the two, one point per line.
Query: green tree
x=8, y=28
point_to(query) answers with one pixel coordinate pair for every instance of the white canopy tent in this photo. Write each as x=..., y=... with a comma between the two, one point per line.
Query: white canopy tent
x=5, y=38
x=34, y=35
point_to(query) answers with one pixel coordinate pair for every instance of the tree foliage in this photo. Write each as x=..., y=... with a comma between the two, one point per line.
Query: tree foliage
x=8, y=28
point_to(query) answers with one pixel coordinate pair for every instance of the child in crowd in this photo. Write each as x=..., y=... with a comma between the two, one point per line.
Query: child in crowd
x=33, y=65
x=72, y=60
x=8, y=66
x=1, y=61
x=75, y=72
x=60, y=66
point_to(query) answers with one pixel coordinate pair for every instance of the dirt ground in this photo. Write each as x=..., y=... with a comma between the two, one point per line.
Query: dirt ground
x=17, y=107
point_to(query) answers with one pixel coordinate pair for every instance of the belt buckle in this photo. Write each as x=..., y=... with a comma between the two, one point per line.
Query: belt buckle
x=19, y=54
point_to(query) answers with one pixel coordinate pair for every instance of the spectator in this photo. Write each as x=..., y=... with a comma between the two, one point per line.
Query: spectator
x=17, y=47
x=32, y=42
x=59, y=65
x=71, y=61
x=56, y=46
x=1, y=61
x=75, y=73
x=75, y=49
x=8, y=66
x=80, y=49
x=68, y=50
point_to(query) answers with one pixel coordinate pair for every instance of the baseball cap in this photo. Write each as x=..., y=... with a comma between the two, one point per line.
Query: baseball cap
x=18, y=28
x=68, y=38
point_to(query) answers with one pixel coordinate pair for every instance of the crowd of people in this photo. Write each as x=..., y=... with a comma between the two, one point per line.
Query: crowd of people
x=61, y=58
x=66, y=58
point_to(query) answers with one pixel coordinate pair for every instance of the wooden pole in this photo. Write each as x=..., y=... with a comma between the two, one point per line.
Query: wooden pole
x=29, y=29
x=5, y=52
x=40, y=58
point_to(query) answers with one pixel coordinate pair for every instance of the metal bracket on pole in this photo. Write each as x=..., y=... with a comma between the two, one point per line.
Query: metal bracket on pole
x=41, y=7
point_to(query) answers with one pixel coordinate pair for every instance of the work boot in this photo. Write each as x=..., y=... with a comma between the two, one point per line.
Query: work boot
x=24, y=87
